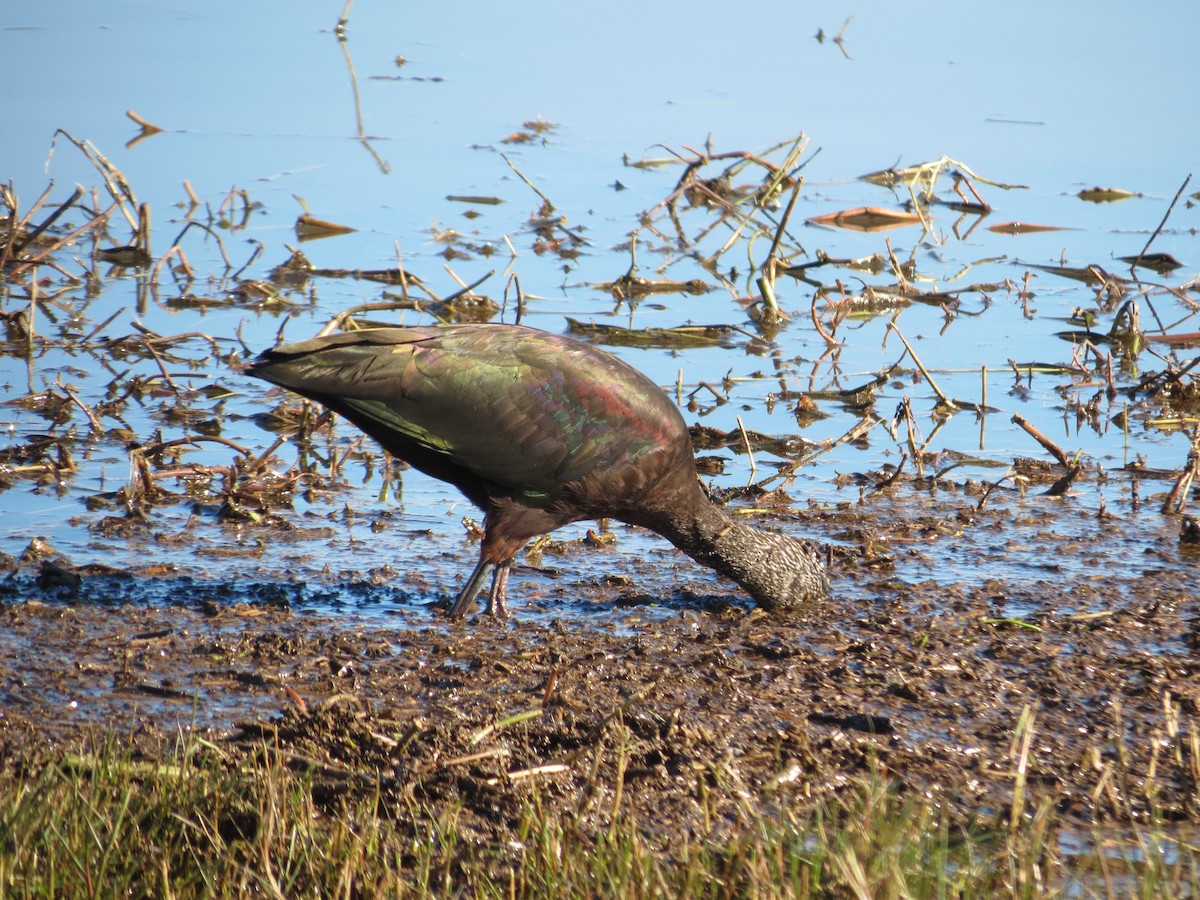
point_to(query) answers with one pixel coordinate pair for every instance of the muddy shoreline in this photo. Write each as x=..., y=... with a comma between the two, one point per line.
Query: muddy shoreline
x=937, y=686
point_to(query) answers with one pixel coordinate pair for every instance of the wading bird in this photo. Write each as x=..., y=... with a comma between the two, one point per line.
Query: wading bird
x=537, y=430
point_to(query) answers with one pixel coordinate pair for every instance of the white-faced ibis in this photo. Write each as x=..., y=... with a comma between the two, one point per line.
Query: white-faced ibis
x=537, y=430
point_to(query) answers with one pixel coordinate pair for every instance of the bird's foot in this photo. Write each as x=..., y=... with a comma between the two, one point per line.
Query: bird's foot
x=496, y=605
x=498, y=610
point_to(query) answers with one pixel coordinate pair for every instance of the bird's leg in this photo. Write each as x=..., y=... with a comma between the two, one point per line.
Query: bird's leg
x=465, y=601
x=496, y=605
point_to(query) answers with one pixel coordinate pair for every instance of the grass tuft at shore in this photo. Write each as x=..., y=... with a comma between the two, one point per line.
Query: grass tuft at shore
x=189, y=817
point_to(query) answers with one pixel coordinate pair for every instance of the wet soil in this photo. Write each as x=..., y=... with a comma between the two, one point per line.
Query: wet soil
x=926, y=682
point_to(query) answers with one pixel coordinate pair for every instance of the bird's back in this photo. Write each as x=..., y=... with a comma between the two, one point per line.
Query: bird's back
x=537, y=417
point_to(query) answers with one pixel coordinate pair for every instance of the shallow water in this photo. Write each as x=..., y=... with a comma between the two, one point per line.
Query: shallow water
x=263, y=100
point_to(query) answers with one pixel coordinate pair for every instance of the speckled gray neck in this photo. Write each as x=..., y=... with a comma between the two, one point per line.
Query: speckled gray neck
x=776, y=570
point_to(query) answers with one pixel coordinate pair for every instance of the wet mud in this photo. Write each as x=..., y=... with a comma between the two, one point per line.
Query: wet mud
x=938, y=685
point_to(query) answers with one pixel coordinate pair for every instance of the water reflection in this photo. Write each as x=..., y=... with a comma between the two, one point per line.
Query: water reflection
x=535, y=121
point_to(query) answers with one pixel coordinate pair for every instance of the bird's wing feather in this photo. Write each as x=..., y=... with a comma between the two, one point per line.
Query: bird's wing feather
x=526, y=410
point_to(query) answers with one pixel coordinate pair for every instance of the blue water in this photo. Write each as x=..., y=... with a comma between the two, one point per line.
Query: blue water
x=260, y=98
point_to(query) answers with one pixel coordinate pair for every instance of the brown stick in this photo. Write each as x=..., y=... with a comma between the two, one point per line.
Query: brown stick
x=151, y=449
x=1060, y=487
x=145, y=125
x=86, y=410
x=1073, y=468
x=1052, y=448
x=917, y=361
x=787, y=214
x=1178, y=496
x=50, y=248
x=829, y=339
x=50, y=220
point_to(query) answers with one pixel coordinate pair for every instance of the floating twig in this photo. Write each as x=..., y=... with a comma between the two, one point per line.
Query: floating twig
x=148, y=129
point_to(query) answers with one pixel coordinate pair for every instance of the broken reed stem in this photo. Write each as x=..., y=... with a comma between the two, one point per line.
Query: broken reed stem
x=9, y=238
x=515, y=719
x=830, y=340
x=338, y=322
x=188, y=471
x=152, y=449
x=37, y=204
x=150, y=337
x=514, y=283
x=731, y=206
x=114, y=179
x=31, y=318
x=766, y=281
x=143, y=229
x=33, y=233
x=45, y=251
x=916, y=205
x=163, y=368
x=1178, y=496
x=140, y=479
x=95, y=331
x=162, y=261
x=148, y=129
x=855, y=433
x=1024, y=738
x=988, y=488
x=1166, y=215
x=910, y=425
x=1052, y=448
x=449, y=271
x=749, y=449
x=1072, y=466
x=258, y=249
x=897, y=270
x=532, y=186
x=787, y=214
x=96, y=426
x=766, y=289
x=891, y=479
x=211, y=233
x=466, y=288
x=548, y=769
x=942, y=398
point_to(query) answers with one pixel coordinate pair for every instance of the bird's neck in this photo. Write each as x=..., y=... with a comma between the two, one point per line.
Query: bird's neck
x=776, y=570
